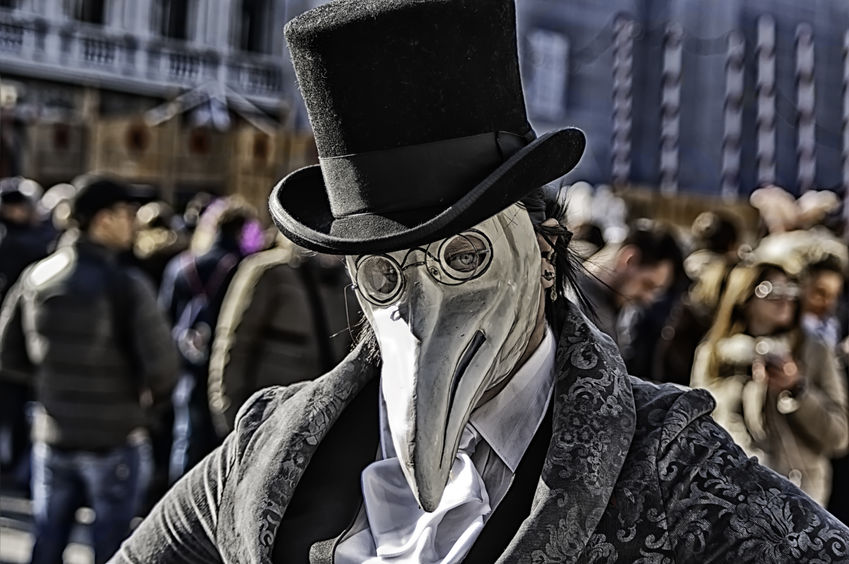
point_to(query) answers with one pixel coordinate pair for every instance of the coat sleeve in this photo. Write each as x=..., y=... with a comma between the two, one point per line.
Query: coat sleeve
x=181, y=528
x=155, y=350
x=822, y=413
x=727, y=392
x=234, y=353
x=724, y=507
x=15, y=363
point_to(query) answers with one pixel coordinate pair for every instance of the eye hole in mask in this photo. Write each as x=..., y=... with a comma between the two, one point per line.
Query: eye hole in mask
x=464, y=256
x=380, y=278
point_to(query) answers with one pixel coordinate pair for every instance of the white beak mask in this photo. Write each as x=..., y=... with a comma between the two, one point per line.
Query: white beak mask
x=452, y=319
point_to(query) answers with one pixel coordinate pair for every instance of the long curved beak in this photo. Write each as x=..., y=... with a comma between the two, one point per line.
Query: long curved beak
x=429, y=398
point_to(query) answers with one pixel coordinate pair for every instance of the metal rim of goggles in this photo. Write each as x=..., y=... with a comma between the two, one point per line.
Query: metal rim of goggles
x=767, y=290
x=380, y=279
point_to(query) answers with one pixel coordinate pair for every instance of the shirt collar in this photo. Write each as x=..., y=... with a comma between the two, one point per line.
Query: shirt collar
x=509, y=421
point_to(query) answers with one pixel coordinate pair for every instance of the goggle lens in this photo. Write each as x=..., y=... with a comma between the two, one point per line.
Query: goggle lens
x=460, y=258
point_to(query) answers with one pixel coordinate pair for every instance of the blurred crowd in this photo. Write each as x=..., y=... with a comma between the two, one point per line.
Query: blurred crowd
x=758, y=315
x=131, y=333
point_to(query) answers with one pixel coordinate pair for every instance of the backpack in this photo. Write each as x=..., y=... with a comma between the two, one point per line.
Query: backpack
x=195, y=325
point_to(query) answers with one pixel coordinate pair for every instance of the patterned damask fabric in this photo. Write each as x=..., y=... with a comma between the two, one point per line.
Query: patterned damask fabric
x=634, y=473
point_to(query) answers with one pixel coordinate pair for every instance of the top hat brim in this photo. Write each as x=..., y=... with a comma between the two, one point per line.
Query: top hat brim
x=300, y=207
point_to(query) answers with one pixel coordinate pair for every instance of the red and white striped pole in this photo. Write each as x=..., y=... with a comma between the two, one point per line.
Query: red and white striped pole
x=805, y=100
x=670, y=109
x=766, y=100
x=732, y=133
x=623, y=64
x=845, y=154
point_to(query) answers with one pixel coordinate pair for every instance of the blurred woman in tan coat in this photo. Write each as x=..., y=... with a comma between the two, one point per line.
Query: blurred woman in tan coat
x=778, y=391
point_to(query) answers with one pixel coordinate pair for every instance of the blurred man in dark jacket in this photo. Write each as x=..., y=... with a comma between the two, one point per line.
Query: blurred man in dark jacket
x=22, y=242
x=629, y=277
x=87, y=331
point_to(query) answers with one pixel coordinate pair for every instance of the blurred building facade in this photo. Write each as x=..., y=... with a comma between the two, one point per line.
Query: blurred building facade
x=680, y=97
x=179, y=95
x=690, y=97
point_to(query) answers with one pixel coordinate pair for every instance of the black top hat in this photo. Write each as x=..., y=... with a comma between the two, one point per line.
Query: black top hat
x=419, y=121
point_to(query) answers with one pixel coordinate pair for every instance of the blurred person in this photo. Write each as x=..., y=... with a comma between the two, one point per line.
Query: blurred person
x=588, y=239
x=86, y=331
x=186, y=223
x=779, y=391
x=156, y=242
x=21, y=243
x=822, y=288
x=192, y=292
x=716, y=246
x=285, y=319
x=630, y=275
x=824, y=315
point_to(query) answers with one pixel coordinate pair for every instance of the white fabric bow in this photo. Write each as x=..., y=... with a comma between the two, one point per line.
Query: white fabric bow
x=403, y=532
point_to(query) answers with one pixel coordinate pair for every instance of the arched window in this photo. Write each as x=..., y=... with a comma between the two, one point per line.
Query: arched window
x=90, y=11
x=254, y=35
x=173, y=18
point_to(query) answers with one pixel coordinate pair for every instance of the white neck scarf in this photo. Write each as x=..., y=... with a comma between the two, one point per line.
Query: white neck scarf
x=405, y=533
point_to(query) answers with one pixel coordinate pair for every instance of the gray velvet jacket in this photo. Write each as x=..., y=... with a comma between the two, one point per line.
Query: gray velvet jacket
x=633, y=473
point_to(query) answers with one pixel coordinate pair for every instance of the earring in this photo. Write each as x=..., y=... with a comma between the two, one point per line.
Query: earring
x=553, y=294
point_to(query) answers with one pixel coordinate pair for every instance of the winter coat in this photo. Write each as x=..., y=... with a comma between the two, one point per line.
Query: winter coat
x=88, y=333
x=633, y=472
x=282, y=321
x=795, y=436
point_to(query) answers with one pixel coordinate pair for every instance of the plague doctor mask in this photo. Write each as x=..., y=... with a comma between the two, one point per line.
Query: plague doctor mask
x=452, y=318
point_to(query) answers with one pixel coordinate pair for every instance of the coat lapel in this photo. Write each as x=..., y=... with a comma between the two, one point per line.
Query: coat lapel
x=593, y=424
x=277, y=455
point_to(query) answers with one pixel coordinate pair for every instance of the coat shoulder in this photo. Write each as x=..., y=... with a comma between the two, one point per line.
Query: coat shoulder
x=666, y=410
x=262, y=404
x=293, y=403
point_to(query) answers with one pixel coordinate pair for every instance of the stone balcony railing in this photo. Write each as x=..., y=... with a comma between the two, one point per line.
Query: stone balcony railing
x=95, y=54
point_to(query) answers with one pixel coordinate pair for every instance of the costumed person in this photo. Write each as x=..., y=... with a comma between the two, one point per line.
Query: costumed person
x=488, y=420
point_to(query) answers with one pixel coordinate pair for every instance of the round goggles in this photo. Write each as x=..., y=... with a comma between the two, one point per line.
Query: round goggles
x=766, y=290
x=457, y=259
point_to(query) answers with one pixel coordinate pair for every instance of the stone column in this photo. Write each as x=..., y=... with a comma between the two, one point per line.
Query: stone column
x=113, y=16
x=137, y=16
x=223, y=21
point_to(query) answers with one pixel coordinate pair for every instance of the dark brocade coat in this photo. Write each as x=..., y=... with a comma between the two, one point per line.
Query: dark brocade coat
x=633, y=472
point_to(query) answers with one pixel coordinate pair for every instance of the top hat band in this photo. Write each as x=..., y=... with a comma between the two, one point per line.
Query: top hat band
x=424, y=175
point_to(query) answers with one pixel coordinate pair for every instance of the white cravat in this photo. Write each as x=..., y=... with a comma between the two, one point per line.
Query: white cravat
x=399, y=531
x=392, y=527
